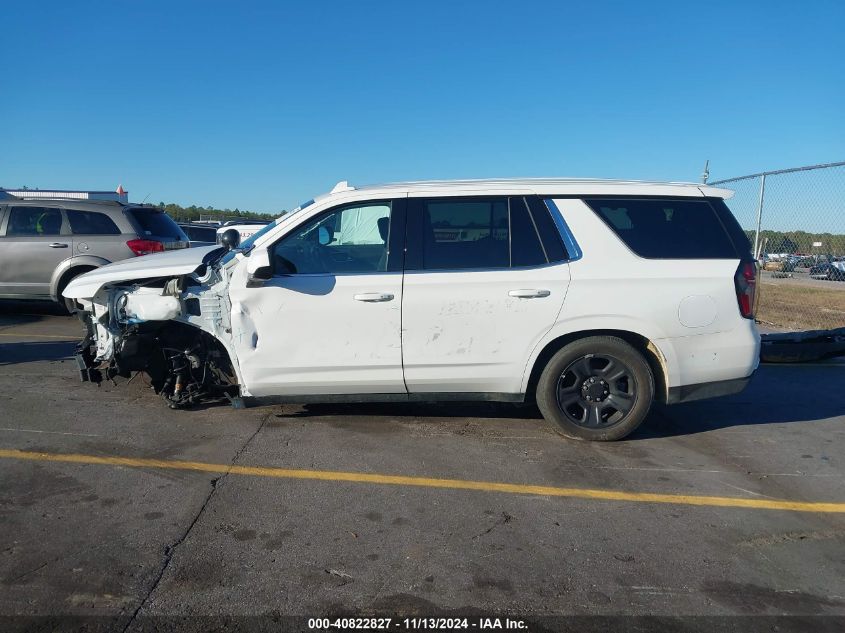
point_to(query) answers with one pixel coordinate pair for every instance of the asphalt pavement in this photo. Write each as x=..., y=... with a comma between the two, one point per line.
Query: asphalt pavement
x=113, y=505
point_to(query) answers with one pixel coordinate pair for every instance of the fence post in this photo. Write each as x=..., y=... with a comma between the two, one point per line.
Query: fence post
x=759, y=216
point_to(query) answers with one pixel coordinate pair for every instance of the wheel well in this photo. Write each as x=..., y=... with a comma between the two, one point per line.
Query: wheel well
x=199, y=344
x=69, y=274
x=638, y=342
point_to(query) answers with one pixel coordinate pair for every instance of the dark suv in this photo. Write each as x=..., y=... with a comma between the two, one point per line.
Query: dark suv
x=46, y=243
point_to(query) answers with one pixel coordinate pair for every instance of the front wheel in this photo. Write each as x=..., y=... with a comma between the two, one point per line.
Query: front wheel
x=598, y=388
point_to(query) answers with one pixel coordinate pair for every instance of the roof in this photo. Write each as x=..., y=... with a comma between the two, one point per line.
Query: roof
x=543, y=186
x=38, y=202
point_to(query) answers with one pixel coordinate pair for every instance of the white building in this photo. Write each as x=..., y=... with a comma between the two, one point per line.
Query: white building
x=119, y=195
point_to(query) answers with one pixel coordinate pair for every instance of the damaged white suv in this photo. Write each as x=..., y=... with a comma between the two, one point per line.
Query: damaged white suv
x=593, y=298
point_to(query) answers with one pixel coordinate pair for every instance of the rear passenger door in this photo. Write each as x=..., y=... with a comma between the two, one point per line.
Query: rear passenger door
x=96, y=234
x=485, y=278
x=34, y=240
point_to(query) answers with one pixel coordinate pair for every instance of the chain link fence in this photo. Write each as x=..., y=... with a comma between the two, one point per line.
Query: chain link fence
x=795, y=220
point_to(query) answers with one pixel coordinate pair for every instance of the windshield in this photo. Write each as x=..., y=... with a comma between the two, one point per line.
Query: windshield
x=246, y=245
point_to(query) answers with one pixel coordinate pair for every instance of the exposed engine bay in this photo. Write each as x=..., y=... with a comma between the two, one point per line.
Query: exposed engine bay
x=167, y=328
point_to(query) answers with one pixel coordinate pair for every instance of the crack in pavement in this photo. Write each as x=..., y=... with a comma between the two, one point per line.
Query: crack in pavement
x=169, y=550
x=505, y=518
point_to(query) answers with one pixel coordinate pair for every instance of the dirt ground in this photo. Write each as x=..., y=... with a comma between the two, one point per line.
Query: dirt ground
x=789, y=304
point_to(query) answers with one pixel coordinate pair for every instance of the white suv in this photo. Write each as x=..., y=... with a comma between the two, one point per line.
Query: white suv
x=593, y=297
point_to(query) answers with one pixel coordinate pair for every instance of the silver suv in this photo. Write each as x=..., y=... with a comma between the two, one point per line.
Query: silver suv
x=46, y=243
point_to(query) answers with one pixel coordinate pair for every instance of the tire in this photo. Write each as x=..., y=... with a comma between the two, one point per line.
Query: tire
x=70, y=304
x=598, y=388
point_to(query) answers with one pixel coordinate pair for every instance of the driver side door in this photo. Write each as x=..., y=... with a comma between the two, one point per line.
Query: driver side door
x=328, y=320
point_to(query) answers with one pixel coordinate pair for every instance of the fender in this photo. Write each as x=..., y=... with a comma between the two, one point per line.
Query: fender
x=72, y=262
x=625, y=323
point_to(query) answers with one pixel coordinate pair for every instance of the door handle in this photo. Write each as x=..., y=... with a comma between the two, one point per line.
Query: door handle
x=373, y=297
x=530, y=293
x=58, y=245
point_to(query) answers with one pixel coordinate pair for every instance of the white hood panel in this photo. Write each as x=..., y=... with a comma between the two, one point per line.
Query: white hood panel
x=169, y=264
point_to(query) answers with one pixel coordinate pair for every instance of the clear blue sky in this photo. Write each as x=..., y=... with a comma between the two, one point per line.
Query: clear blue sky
x=261, y=105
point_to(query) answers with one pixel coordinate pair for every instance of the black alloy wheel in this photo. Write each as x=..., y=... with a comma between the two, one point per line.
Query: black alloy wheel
x=596, y=391
x=596, y=388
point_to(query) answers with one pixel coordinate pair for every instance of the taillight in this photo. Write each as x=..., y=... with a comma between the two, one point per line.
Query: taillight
x=746, y=288
x=145, y=247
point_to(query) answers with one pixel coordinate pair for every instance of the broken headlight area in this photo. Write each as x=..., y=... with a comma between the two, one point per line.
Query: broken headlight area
x=185, y=365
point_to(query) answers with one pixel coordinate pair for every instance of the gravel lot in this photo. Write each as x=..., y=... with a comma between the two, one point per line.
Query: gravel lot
x=133, y=541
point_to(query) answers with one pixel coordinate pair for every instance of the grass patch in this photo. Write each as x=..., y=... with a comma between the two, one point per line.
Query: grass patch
x=797, y=307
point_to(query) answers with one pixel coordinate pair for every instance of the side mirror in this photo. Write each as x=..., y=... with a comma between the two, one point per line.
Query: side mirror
x=323, y=236
x=230, y=239
x=258, y=268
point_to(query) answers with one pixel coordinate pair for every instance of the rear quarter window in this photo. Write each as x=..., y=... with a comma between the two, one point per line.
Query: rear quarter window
x=91, y=223
x=154, y=223
x=685, y=228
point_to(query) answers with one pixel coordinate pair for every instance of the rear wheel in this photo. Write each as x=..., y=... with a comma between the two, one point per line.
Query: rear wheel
x=597, y=388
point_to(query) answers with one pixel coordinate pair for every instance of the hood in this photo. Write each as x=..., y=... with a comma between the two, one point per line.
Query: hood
x=170, y=264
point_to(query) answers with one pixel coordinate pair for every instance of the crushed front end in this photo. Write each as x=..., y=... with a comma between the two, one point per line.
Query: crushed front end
x=173, y=329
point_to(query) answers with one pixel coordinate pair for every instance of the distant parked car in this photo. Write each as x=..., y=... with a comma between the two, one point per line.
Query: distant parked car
x=246, y=228
x=200, y=234
x=833, y=270
x=45, y=243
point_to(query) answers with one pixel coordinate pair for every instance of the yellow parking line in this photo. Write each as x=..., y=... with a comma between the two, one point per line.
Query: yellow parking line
x=68, y=337
x=427, y=482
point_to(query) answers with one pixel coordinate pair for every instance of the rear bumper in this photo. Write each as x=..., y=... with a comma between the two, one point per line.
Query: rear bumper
x=704, y=390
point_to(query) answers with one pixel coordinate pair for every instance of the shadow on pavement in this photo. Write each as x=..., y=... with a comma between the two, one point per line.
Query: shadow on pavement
x=776, y=395
x=34, y=351
x=23, y=312
x=497, y=410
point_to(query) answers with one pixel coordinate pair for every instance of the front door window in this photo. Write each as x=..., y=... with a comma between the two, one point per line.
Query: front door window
x=352, y=240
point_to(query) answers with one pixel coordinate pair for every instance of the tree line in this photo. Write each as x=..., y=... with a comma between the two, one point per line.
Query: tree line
x=189, y=214
x=799, y=242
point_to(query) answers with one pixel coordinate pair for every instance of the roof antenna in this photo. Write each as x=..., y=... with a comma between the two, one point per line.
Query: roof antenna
x=706, y=174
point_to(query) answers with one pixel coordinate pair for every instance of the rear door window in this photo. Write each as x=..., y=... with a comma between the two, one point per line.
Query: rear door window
x=34, y=221
x=155, y=223
x=460, y=234
x=526, y=248
x=548, y=230
x=685, y=228
x=91, y=223
x=480, y=233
